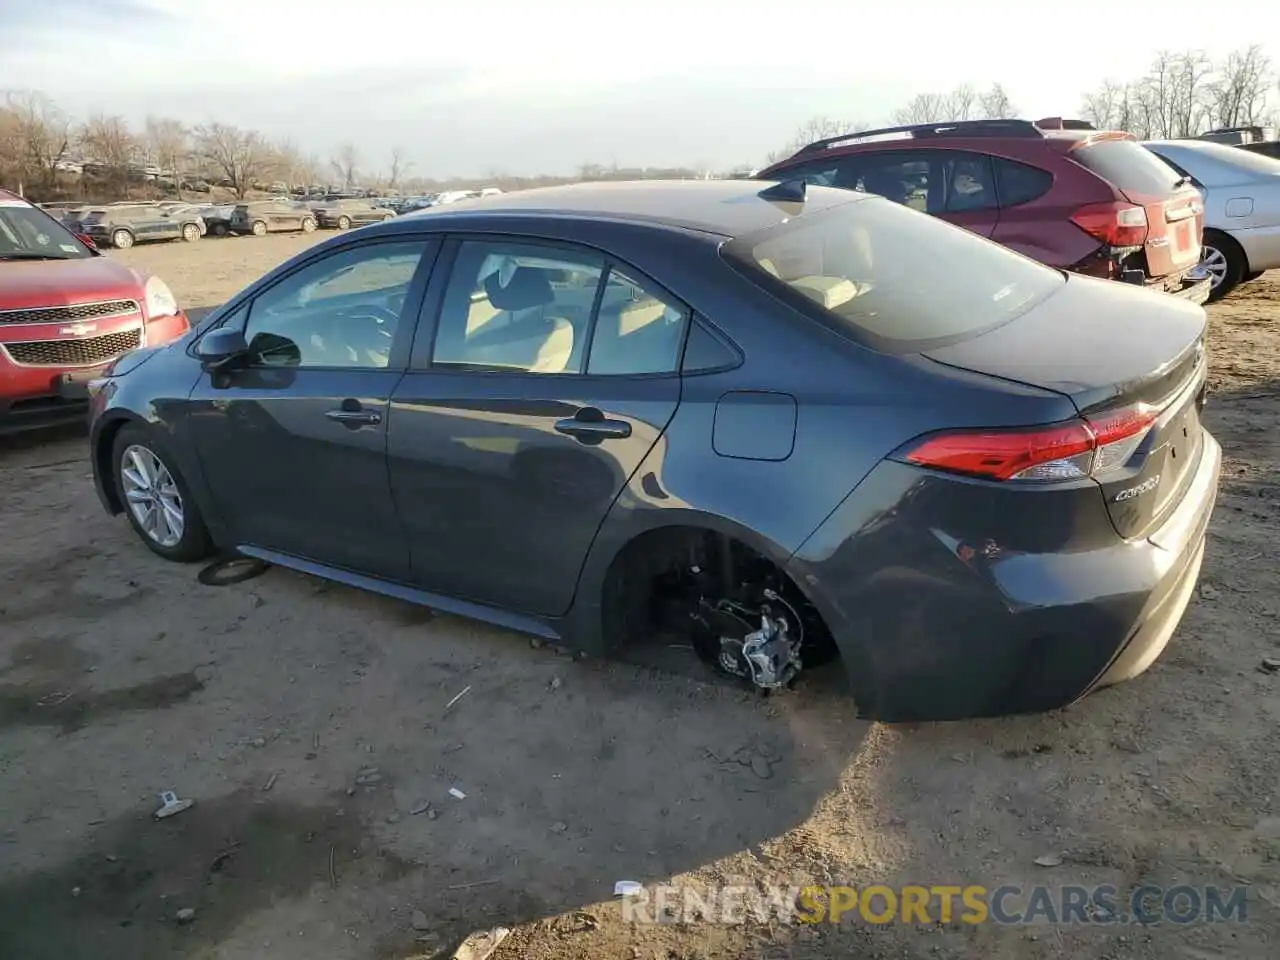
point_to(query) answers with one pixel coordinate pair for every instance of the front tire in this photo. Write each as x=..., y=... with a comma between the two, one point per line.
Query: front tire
x=1224, y=260
x=308, y=225
x=344, y=223
x=191, y=233
x=156, y=498
x=259, y=228
x=122, y=239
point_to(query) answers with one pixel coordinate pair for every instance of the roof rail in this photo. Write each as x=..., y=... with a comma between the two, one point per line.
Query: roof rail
x=1059, y=123
x=1023, y=129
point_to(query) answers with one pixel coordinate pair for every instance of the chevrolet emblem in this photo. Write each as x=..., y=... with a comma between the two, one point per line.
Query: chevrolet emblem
x=78, y=329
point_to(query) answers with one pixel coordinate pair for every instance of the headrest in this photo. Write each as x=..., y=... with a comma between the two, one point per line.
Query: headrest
x=527, y=288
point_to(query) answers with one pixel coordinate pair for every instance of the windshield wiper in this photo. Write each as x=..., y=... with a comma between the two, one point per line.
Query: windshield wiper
x=30, y=256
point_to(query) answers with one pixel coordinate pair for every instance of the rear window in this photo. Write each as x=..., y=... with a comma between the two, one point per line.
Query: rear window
x=1128, y=166
x=895, y=278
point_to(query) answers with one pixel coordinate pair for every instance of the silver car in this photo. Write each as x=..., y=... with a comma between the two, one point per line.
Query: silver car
x=1241, y=207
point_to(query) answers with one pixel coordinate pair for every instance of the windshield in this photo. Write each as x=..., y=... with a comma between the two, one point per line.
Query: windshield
x=898, y=279
x=30, y=234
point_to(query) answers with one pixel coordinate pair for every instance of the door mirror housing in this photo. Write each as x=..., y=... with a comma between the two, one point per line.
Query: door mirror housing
x=220, y=348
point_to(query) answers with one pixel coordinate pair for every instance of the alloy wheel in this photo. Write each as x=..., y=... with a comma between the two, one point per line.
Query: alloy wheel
x=1215, y=262
x=152, y=495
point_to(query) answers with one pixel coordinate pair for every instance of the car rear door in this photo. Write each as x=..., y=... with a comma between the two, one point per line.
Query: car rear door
x=542, y=375
x=293, y=443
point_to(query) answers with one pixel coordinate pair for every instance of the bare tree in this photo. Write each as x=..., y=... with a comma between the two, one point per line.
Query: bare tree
x=994, y=104
x=1238, y=95
x=346, y=164
x=40, y=135
x=240, y=156
x=108, y=140
x=959, y=104
x=923, y=108
x=814, y=129
x=168, y=146
x=399, y=167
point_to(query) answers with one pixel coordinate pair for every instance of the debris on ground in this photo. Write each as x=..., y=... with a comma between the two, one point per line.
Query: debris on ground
x=559, y=827
x=628, y=888
x=556, y=683
x=760, y=767
x=419, y=921
x=1269, y=665
x=465, y=691
x=271, y=782
x=185, y=915
x=170, y=805
x=422, y=806
x=480, y=945
x=1208, y=591
x=367, y=776
x=1048, y=860
x=457, y=794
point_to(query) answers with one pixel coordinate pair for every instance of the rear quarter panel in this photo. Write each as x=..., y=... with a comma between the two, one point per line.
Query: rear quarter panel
x=1042, y=228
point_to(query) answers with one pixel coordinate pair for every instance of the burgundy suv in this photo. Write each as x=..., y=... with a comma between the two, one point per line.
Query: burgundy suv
x=1061, y=192
x=65, y=312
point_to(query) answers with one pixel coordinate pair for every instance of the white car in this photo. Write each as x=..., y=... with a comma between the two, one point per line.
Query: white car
x=1241, y=207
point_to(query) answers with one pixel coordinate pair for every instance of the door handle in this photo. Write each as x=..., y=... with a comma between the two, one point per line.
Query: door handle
x=351, y=414
x=589, y=425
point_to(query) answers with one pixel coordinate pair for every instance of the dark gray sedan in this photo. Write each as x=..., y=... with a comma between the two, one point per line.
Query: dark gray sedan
x=790, y=425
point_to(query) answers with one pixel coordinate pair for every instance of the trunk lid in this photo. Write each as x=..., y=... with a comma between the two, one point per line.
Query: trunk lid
x=1113, y=349
x=1173, y=207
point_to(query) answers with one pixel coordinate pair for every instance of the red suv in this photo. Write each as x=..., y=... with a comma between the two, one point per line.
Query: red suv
x=65, y=312
x=1061, y=192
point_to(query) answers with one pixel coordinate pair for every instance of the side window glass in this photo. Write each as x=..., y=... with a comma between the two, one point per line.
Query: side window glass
x=823, y=173
x=1020, y=183
x=706, y=351
x=967, y=185
x=636, y=332
x=518, y=307
x=902, y=178
x=342, y=311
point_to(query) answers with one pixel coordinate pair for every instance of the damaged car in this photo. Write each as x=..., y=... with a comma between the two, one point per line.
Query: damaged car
x=795, y=425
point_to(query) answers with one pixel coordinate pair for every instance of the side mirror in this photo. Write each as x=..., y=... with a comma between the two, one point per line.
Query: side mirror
x=219, y=348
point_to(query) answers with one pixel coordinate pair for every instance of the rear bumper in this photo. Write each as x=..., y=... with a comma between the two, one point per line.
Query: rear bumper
x=937, y=624
x=1194, y=288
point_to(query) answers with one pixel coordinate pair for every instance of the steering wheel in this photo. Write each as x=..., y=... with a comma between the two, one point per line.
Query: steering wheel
x=361, y=334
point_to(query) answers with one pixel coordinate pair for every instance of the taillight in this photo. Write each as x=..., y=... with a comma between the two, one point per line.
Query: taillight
x=1116, y=224
x=1066, y=451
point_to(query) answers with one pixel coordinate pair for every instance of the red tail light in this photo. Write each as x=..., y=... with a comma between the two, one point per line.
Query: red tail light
x=1064, y=451
x=1116, y=224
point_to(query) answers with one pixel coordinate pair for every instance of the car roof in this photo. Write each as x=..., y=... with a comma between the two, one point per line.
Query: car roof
x=9, y=195
x=729, y=208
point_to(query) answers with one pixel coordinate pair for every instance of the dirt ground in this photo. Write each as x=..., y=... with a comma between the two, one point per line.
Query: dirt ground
x=269, y=702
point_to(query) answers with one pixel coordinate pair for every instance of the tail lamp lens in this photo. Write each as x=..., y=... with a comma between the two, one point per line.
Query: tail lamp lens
x=1066, y=451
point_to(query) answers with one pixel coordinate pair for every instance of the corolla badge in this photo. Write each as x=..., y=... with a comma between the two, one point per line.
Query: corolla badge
x=77, y=329
x=1146, y=486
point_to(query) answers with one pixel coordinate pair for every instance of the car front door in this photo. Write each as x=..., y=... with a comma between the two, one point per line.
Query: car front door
x=548, y=375
x=292, y=443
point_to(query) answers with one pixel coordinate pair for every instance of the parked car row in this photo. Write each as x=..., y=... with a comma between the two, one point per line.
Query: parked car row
x=123, y=224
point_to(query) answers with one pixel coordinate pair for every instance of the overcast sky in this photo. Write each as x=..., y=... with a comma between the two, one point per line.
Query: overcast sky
x=529, y=86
